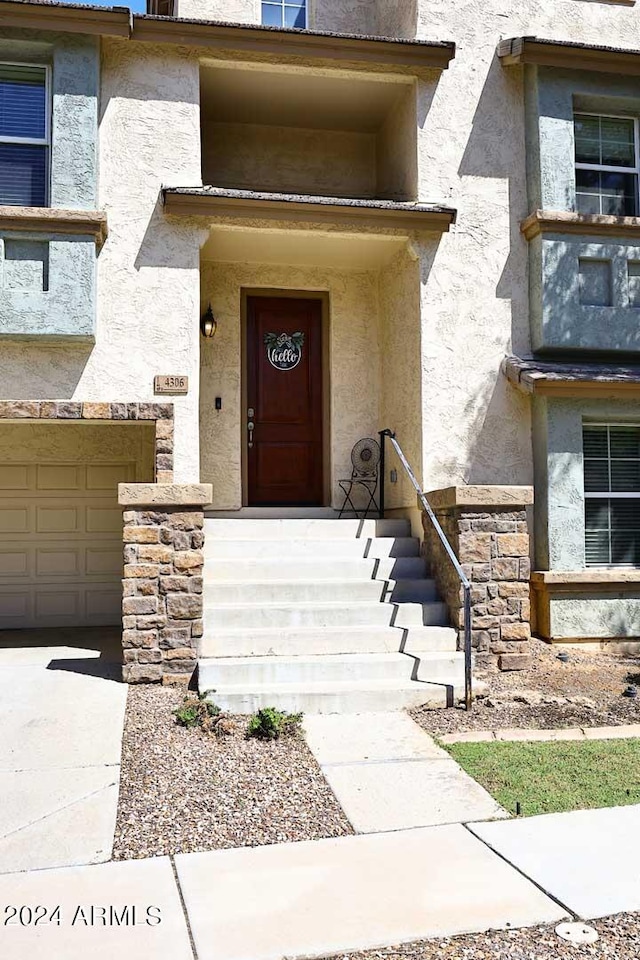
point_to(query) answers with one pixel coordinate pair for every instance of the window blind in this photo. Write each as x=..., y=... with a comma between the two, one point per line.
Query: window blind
x=24, y=151
x=612, y=494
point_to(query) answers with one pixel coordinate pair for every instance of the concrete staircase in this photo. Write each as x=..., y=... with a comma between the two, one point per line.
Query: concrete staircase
x=323, y=616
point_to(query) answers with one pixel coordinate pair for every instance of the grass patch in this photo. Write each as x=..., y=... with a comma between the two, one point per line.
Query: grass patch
x=554, y=777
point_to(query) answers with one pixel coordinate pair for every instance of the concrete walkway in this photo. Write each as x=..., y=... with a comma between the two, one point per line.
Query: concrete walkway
x=322, y=897
x=627, y=731
x=388, y=774
x=61, y=716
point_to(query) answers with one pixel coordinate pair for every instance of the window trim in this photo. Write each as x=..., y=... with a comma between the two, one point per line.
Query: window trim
x=286, y=3
x=614, y=495
x=48, y=112
x=602, y=168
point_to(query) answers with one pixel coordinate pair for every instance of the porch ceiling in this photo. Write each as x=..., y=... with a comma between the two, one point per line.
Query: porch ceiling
x=234, y=93
x=300, y=248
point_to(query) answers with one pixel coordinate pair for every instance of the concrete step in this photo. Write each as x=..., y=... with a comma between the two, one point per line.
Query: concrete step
x=278, y=641
x=259, y=671
x=338, y=697
x=294, y=591
x=322, y=591
x=314, y=614
x=310, y=568
x=298, y=529
x=326, y=548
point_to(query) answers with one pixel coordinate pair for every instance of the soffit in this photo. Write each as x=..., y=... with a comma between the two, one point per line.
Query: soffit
x=300, y=99
x=228, y=244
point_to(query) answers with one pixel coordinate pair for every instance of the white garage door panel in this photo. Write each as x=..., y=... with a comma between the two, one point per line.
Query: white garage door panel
x=14, y=518
x=61, y=544
x=14, y=476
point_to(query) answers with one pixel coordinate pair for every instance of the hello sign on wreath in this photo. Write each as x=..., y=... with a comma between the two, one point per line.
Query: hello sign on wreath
x=284, y=351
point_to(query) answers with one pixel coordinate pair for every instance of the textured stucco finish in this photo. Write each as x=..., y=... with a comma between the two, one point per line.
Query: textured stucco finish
x=148, y=270
x=247, y=156
x=74, y=61
x=369, y=17
x=597, y=617
x=400, y=333
x=559, y=321
x=66, y=308
x=233, y=11
x=74, y=153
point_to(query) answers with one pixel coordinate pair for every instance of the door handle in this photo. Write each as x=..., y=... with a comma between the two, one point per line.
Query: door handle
x=251, y=427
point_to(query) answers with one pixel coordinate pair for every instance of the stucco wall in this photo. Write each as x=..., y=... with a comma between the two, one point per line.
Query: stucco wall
x=48, y=287
x=560, y=317
x=400, y=342
x=289, y=159
x=234, y=11
x=396, y=150
x=148, y=270
x=373, y=17
x=595, y=616
x=74, y=62
x=354, y=373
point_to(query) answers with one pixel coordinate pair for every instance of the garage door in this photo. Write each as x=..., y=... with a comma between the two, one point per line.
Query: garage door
x=61, y=543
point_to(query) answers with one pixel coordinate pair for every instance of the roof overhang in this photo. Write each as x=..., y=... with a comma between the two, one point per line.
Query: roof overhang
x=66, y=18
x=559, y=378
x=51, y=220
x=283, y=43
x=382, y=53
x=575, y=56
x=212, y=204
x=581, y=224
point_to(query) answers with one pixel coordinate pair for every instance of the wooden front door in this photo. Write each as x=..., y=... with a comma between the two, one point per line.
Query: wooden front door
x=284, y=402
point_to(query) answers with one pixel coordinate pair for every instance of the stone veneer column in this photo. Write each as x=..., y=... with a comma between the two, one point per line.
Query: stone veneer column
x=488, y=530
x=163, y=535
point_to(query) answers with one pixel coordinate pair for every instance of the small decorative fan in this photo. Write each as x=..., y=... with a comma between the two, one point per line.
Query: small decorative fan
x=365, y=457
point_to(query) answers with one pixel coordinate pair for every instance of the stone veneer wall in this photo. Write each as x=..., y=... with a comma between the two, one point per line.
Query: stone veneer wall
x=488, y=530
x=162, y=608
x=162, y=413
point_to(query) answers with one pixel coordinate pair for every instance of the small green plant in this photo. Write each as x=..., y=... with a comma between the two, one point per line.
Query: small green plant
x=271, y=724
x=197, y=711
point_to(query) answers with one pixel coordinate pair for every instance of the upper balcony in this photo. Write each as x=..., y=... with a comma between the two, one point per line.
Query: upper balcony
x=306, y=133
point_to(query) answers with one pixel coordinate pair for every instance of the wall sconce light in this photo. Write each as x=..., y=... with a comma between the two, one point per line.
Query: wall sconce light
x=208, y=324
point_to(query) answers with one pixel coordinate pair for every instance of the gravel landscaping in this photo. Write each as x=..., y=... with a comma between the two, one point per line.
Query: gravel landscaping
x=585, y=692
x=183, y=791
x=619, y=940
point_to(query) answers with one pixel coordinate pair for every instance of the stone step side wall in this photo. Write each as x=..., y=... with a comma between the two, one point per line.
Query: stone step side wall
x=488, y=530
x=162, y=603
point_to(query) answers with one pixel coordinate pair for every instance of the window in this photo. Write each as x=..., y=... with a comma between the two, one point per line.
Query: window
x=285, y=13
x=24, y=135
x=606, y=165
x=612, y=494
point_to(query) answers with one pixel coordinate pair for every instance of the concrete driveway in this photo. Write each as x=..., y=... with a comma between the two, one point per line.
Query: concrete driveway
x=61, y=717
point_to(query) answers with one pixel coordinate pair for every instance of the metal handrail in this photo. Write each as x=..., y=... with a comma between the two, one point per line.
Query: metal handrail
x=468, y=681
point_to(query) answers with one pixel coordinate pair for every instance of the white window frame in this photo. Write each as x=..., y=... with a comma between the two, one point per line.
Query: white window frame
x=36, y=141
x=613, y=495
x=602, y=168
x=284, y=3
